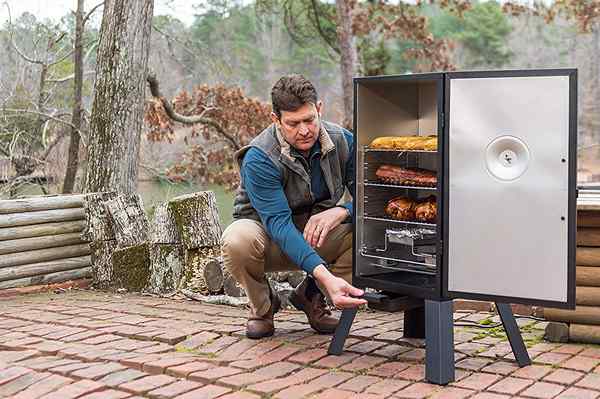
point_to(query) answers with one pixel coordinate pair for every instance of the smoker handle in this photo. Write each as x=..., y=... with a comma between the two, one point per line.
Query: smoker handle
x=372, y=297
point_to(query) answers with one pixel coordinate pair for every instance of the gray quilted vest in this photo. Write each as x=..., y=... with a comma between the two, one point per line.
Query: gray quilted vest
x=335, y=153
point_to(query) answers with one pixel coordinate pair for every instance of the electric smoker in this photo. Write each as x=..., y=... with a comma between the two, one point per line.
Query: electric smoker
x=501, y=179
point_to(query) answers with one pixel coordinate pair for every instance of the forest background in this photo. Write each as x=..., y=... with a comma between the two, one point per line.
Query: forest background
x=216, y=66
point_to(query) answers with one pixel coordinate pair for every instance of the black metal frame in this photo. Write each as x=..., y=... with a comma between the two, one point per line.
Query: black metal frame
x=435, y=320
x=393, y=286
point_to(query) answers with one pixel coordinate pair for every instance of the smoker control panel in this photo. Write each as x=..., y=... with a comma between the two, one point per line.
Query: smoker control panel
x=507, y=158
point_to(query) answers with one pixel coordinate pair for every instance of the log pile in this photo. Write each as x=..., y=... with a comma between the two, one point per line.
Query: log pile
x=196, y=219
x=40, y=241
x=583, y=323
x=178, y=249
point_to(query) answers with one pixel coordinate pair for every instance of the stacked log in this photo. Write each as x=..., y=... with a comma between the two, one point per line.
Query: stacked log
x=40, y=241
x=167, y=255
x=583, y=323
x=98, y=230
x=196, y=219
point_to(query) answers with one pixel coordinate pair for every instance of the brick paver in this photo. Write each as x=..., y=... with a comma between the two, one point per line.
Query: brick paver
x=94, y=345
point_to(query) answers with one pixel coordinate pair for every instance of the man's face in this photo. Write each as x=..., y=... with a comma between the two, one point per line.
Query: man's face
x=300, y=128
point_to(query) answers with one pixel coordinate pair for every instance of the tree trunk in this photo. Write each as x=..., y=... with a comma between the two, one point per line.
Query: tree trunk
x=348, y=56
x=73, y=157
x=118, y=107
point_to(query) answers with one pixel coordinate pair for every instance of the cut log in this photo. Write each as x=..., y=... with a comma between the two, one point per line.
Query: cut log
x=588, y=236
x=98, y=226
x=44, y=255
x=589, y=296
x=202, y=270
x=588, y=276
x=588, y=256
x=557, y=332
x=197, y=219
x=581, y=315
x=166, y=267
x=41, y=203
x=231, y=286
x=37, y=217
x=588, y=219
x=163, y=229
x=40, y=230
x=296, y=277
x=128, y=219
x=37, y=269
x=584, y=333
x=131, y=267
x=102, y=268
x=58, y=277
x=29, y=244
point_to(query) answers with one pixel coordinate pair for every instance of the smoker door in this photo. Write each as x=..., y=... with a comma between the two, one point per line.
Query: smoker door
x=511, y=186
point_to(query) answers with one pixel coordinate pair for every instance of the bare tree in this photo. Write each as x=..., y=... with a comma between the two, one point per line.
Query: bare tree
x=347, y=55
x=73, y=160
x=118, y=107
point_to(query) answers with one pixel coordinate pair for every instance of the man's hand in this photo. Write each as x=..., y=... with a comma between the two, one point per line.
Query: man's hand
x=322, y=223
x=338, y=289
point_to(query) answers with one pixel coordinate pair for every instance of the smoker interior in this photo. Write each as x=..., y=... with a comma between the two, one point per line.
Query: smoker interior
x=394, y=255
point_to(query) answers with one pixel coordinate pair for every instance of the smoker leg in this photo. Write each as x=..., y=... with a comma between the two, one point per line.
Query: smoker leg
x=414, y=323
x=336, y=347
x=513, y=333
x=439, y=334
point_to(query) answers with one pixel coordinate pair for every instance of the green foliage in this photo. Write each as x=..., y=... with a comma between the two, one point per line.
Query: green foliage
x=252, y=48
x=483, y=32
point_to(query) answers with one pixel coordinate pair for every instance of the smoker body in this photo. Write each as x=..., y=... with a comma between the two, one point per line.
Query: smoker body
x=505, y=191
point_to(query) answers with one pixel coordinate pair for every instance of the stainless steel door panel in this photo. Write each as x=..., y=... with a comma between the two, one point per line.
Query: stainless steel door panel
x=506, y=237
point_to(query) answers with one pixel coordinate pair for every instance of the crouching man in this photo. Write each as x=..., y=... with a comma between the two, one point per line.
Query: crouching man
x=293, y=174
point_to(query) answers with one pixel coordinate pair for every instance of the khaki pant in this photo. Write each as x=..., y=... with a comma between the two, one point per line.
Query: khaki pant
x=248, y=253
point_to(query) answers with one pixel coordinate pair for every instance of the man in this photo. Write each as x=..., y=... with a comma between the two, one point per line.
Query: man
x=286, y=212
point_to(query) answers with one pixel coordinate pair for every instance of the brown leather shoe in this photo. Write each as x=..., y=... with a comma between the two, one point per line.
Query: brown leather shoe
x=263, y=326
x=308, y=298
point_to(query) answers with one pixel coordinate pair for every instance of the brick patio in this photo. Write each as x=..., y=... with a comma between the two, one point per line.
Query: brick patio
x=97, y=345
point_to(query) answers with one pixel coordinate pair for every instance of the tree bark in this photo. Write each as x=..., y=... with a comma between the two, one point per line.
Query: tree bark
x=202, y=270
x=163, y=229
x=131, y=267
x=347, y=55
x=128, y=219
x=102, y=268
x=197, y=218
x=98, y=226
x=73, y=157
x=118, y=107
x=166, y=267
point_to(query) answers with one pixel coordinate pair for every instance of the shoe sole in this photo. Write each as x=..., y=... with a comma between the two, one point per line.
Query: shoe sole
x=259, y=336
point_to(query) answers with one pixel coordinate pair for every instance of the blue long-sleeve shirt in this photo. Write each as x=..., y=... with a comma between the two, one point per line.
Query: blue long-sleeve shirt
x=264, y=184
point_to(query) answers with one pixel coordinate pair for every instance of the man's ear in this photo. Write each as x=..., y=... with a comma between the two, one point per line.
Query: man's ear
x=274, y=118
x=319, y=107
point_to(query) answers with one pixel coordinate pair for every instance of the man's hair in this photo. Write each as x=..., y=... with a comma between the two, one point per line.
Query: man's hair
x=292, y=92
